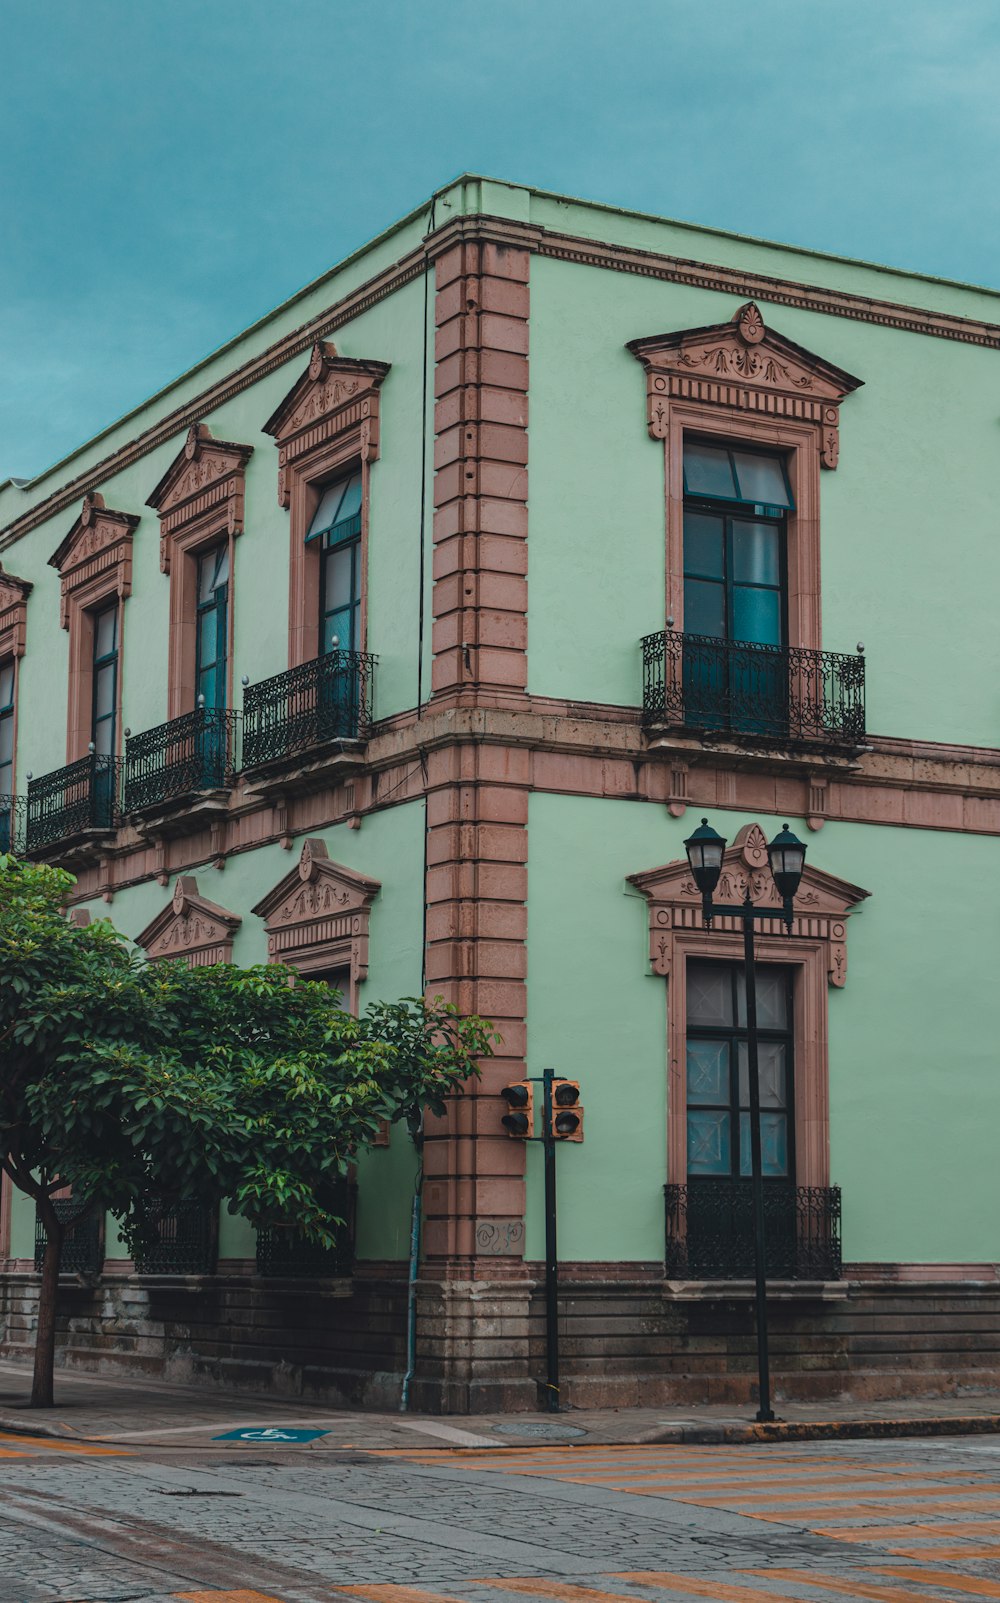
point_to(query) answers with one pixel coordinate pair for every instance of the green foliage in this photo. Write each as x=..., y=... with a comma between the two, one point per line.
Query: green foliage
x=124, y=1078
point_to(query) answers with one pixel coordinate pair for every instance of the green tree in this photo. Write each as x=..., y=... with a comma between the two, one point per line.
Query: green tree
x=124, y=1079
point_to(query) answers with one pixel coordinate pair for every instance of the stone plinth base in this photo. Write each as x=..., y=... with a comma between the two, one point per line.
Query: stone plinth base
x=626, y=1339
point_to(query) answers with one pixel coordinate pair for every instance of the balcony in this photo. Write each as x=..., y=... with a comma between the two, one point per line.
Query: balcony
x=180, y=771
x=71, y=810
x=13, y=816
x=83, y=1242
x=778, y=696
x=710, y=1231
x=314, y=718
x=182, y=1239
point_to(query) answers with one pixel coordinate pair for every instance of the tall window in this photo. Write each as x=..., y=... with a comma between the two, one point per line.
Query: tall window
x=6, y=753
x=718, y=1119
x=105, y=681
x=337, y=526
x=735, y=586
x=213, y=627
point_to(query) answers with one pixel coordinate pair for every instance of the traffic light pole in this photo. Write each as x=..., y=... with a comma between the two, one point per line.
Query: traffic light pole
x=551, y=1250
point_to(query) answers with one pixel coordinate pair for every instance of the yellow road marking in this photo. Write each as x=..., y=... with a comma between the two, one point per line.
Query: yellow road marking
x=895, y=1533
x=806, y=1516
x=862, y=1494
x=856, y=1588
x=940, y=1555
x=946, y=1578
x=227, y=1597
x=53, y=1444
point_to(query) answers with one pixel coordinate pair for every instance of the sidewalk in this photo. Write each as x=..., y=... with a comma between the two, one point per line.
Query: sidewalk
x=155, y=1414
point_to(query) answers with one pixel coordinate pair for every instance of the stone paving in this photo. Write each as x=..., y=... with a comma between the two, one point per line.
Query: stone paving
x=888, y=1522
x=139, y=1410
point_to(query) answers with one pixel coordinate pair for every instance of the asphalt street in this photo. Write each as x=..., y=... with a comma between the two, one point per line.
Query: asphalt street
x=271, y=1522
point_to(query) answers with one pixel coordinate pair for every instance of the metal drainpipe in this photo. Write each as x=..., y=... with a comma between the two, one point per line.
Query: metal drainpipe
x=411, y=1294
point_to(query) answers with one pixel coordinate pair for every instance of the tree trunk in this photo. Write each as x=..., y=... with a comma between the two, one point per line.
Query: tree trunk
x=48, y=1296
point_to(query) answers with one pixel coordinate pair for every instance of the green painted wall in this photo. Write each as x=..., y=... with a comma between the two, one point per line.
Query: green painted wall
x=387, y=848
x=908, y=540
x=913, y=1058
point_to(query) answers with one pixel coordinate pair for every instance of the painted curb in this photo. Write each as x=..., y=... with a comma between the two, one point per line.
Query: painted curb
x=826, y=1430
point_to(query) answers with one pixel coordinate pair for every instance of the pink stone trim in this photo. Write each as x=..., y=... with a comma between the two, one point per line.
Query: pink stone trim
x=816, y=950
x=327, y=424
x=94, y=562
x=317, y=917
x=190, y=927
x=741, y=381
x=200, y=500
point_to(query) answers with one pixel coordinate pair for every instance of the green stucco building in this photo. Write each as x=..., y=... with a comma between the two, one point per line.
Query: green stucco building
x=403, y=641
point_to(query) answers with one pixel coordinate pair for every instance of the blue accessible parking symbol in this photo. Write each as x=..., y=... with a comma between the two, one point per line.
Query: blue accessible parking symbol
x=257, y=1433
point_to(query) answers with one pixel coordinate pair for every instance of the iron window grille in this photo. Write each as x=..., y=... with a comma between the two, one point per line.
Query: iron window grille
x=180, y=758
x=71, y=801
x=83, y=1243
x=304, y=708
x=13, y=817
x=709, y=1231
x=281, y=1250
x=183, y=1239
x=783, y=694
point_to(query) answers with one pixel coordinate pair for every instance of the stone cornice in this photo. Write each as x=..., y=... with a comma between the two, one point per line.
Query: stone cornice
x=562, y=247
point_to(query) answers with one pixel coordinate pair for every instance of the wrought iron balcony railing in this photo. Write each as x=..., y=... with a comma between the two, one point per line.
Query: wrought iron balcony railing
x=780, y=694
x=83, y=1243
x=184, y=1239
x=307, y=707
x=281, y=1250
x=189, y=754
x=710, y=1231
x=72, y=800
x=13, y=816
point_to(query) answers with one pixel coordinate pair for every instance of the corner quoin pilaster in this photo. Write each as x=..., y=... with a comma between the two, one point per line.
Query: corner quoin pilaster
x=477, y=795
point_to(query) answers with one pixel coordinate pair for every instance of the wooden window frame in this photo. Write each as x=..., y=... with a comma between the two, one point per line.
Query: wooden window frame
x=815, y=951
x=741, y=383
x=326, y=426
x=201, y=503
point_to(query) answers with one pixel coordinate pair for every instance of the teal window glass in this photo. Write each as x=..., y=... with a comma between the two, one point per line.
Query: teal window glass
x=212, y=627
x=104, y=705
x=336, y=525
x=757, y=478
x=718, y=1099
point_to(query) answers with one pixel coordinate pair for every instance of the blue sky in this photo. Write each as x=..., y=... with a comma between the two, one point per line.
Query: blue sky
x=171, y=170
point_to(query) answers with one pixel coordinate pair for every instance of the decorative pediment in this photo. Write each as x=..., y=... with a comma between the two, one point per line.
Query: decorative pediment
x=317, y=916
x=191, y=927
x=202, y=486
x=98, y=545
x=14, y=595
x=822, y=905
x=743, y=365
x=336, y=397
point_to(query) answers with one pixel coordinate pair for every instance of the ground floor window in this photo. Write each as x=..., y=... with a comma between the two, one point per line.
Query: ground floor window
x=718, y=1100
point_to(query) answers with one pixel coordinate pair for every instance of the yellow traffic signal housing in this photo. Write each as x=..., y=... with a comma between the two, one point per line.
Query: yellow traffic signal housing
x=567, y=1111
x=519, y=1120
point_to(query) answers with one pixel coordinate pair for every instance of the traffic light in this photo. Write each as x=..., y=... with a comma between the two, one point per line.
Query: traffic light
x=567, y=1113
x=519, y=1120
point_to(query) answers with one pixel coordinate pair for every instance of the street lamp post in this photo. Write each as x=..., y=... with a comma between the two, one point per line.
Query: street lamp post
x=786, y=856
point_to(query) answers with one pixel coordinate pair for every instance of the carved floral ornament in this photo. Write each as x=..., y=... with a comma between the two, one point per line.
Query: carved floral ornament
x=202, y=491
x=822, y=905
x=191, y=927
x=317, y=916
x=96, y=555
x=335, y=400
x=14, y=595
x=744, y=366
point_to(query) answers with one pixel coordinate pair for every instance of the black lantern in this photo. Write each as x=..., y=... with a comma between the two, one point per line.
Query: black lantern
x=787, y=856
x=704, y=852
